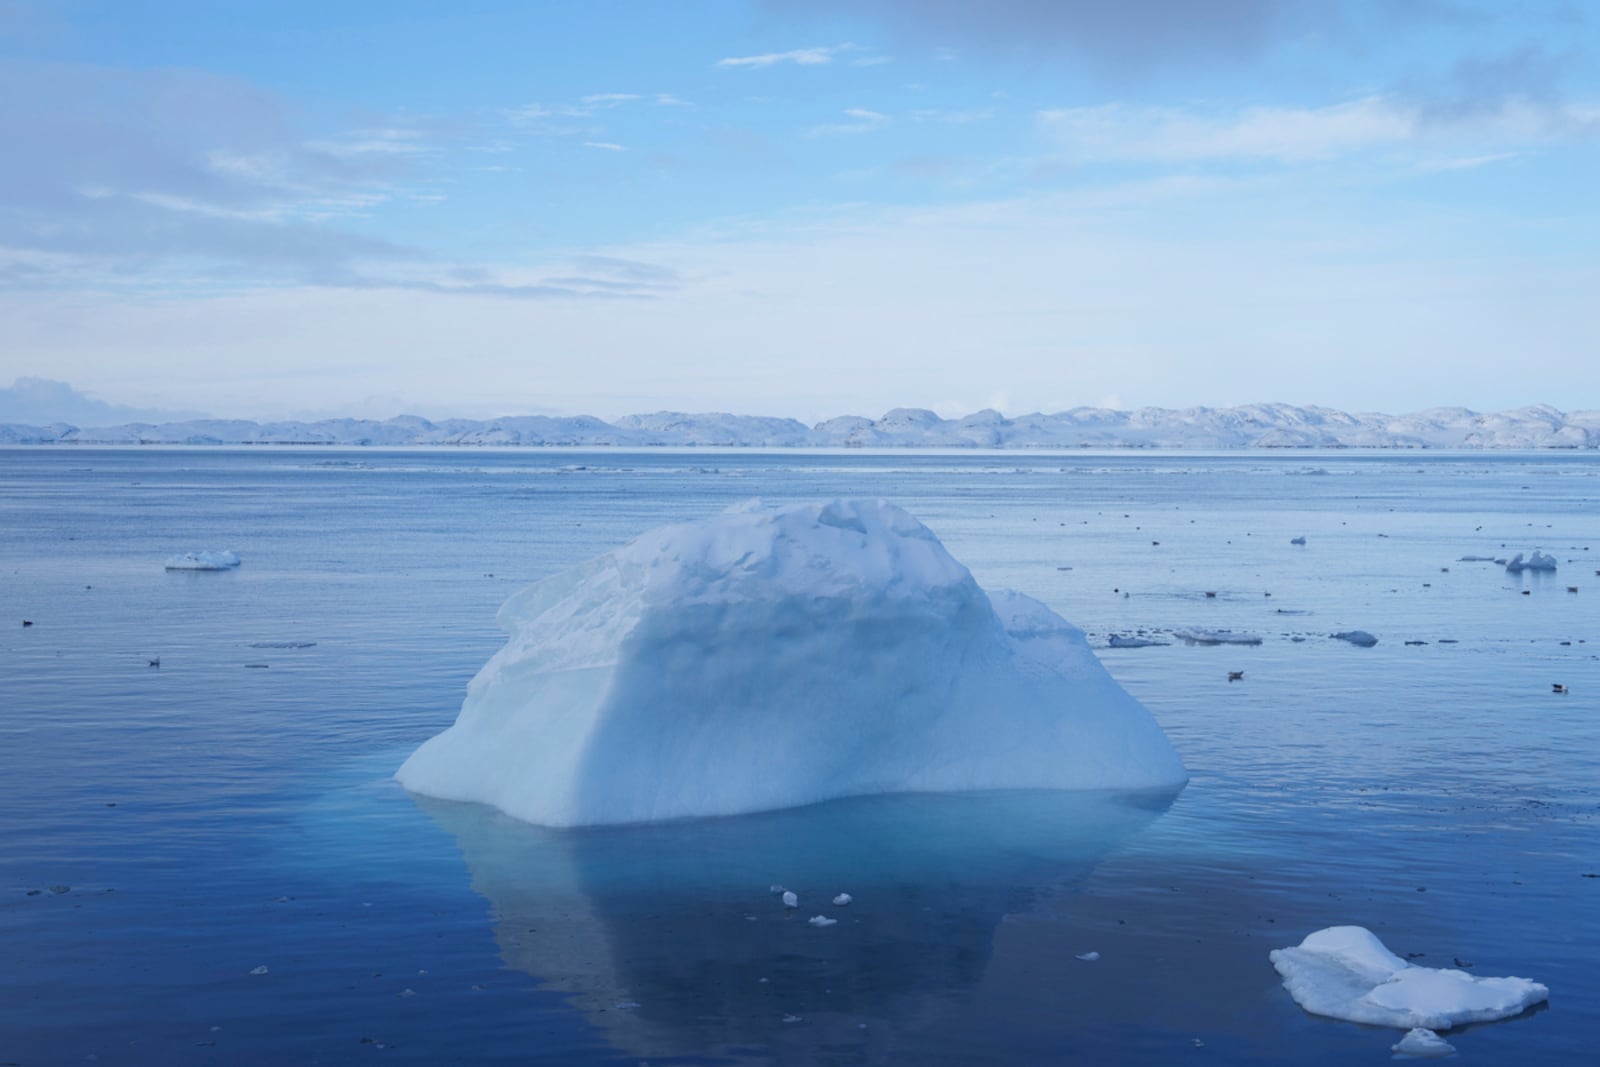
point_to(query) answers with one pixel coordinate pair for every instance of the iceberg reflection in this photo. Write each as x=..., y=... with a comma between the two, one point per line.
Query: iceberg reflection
x=670, y=940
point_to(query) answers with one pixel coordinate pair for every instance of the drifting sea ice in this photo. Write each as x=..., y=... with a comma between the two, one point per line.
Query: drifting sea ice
x=203, y=561
x=1360, y=638
x=1422, y=1044
x=774, y=657
x=1195, y=636
x=1345, y=972
x=1538, y=561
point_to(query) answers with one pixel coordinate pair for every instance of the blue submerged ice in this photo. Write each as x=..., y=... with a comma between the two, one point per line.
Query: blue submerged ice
x=774, y=657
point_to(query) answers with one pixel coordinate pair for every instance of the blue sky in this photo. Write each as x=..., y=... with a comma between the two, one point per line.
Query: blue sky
x=801, y=208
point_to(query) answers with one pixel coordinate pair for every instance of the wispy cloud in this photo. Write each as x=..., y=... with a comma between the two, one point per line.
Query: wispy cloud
x=609, y=146
x=1117, y=132
x=862, y=121
x=804, y=57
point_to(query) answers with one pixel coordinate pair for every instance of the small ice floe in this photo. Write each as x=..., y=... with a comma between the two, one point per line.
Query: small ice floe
x=1345, y=972
x=842, y=899
x=1088, y=957
x=1297, y=540
x=822, y=920
x=1421, y=1043
x=1539, y=561
x=775, y=889
x=790, y=900
x=259, y=970
x=791, y=1018
x=1193, y=636
x=1357, y=637
x=1118, y=641
x=203, y=561
x=1475, y=559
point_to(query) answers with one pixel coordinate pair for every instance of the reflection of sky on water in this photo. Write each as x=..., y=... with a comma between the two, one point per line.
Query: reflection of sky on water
x=668, y=938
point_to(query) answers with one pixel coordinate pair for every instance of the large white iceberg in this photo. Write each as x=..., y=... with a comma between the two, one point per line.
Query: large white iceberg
x=773, y=657
x=1345, y=972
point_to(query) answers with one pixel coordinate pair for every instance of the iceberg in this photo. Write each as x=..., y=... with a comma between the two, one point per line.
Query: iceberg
x=1538, y=561
x=1345, y=972
x=776, y=657
x=1359, y=638
x=203, y=561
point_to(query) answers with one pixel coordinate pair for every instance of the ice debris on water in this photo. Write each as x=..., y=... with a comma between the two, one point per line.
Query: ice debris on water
x=259, y=970
x=822, y=920
x=1356, y=637
x=1118, y=641
x=790, y=900
x=1538, y=561
x=1345, y=972
x=1194, y=636
x=1088, y=957
x=842, y=899
x=203, y=561
x=1421, y=1043
x=767, y=646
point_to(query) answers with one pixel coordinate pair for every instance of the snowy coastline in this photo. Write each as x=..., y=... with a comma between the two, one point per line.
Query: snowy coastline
x=1250, y=426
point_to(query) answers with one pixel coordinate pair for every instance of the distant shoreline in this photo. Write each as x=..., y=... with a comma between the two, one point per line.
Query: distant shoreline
x=1254, y=426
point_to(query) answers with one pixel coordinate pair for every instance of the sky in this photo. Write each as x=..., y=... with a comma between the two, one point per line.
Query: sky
x=803, y=208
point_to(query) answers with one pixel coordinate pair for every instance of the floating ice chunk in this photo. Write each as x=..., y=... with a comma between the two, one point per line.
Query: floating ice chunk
x=203, y=561
x=790, y=900
x=1357, y=637
x=822, y=920
x=770, y=658
x=775, y=888
x=1118, y=641
x=1196, y=636
x=259, y=970
x=1538, y=561
x=1088, y=957
x=1423, y=1044
x=1476, y=559
x=842, y=899
x=1345, y=972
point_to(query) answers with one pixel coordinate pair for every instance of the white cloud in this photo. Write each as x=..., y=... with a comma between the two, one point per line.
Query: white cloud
x=804, y=57
x=594, y=100
x=609, y=146
x=1299, y=135
x=863, y=121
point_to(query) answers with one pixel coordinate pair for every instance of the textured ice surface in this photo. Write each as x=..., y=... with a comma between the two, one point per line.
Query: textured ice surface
x=1538, y=561
x=203, y=561
x=1345, y=972
x=768, y=658
x=1357, y=637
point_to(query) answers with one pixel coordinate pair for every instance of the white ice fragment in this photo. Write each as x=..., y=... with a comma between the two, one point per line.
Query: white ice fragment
x=775, y=888
x=1118, y=641
x=842, y=899
x=1345, y=972
x=822, y=920
x=1194, y=636
x=1357, y=637
x=791, y=1018
x=774, y=657
x=1423, y=1044
x=1088, y=957
x=203, y=561
x=1538, y=561
x=790, y=900
x=259, y=970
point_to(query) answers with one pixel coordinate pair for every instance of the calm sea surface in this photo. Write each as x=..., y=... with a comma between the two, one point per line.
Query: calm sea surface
x=207, y=862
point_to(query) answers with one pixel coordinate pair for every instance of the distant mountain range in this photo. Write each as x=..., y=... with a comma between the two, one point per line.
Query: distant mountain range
x=1250, y=426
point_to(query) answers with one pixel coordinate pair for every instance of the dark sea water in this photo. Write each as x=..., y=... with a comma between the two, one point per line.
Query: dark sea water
x=167, y=832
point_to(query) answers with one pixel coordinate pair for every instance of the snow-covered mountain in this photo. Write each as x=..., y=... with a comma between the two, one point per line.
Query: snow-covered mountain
x=1250, y=426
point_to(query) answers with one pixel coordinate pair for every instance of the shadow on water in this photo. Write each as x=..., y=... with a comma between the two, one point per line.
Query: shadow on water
x=671, y=941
